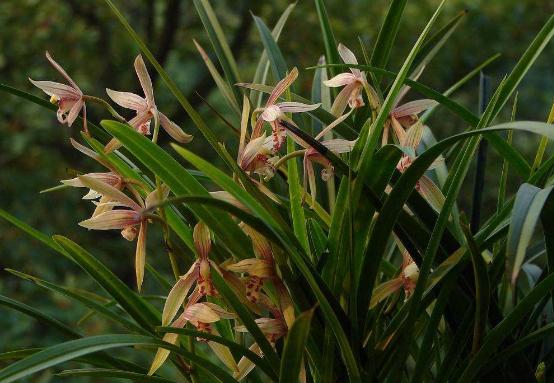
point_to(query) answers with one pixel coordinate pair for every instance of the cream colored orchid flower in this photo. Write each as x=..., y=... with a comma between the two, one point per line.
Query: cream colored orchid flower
x=145, y=108
x=353, y=82
x=273, y=112
x=201, y=315
x=131, y=220
x=69, y=98
x=273, y=329
x=425, y=186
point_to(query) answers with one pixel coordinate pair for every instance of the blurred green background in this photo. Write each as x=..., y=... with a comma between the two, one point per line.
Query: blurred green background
x=86, y=39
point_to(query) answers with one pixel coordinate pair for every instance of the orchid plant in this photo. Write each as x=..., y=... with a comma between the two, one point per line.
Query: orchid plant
x=380, y=279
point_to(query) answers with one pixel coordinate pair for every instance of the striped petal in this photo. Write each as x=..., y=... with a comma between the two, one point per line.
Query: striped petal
x=297, y=107
x=113, y=219
x=340, y=80
x=341, y=101
x=177, y=296
x=127, y=100
x=140, y=255
x=349, y=58
x=413, y=107
x=202, y=239
x=200, y=312
x=252, y=266
x=145, y=81
x=57, y=89
x=108, y=190
x=431, y=193
x=282, y=86
x=174, y=130
x=59, y=68
x=339, y=145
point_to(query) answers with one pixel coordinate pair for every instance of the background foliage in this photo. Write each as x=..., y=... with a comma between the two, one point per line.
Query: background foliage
x=34, y=150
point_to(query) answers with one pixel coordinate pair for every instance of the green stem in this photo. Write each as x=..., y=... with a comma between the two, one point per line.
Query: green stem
x=285, y=158
x=106, y=105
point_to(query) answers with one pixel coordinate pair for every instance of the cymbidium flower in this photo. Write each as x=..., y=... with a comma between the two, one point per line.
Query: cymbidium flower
x=201, y=315
x=406, y=280
x=111, y=178
x=425, y=186
x=354, y=82
x=145, y=108
x=131, y=220
x=311, y=155
x=402, y=117
x=273, y=112
x=69, y=98
x=273, y=329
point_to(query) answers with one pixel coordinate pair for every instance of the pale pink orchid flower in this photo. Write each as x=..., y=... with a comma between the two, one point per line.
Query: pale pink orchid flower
x=311, y=156
x=201, y=315
x=145, y=108
x=402, y=117
x=130, y=218
x=425, y=186
x=273, y=112
x=407, y=279
x=353, y=82
x=69, y=98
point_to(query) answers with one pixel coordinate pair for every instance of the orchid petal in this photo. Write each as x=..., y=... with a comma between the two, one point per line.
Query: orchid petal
x=59, y=68
x=431, y=193
x=177, y=295
x=340, y=80
x=108, y=190
x=341, y=101
x=114, y=219
x=251, y=151
x=140, y=119
x=174, y=130
x=413, y=107
x=202, y=239
x=145, y=81
x=57, y=89
x=271, y=113
x=282, y=86
x=346, y=54
x=200, y=312
x=220, y=311
x=297, y=107
x=413, y=136
x=349, y=58
x=339, y=145
x=162, y=353
x=225, y=355
x=245, y=365
x=140, y=255
x=127, y=100
x=252, y=266
x=74, y=112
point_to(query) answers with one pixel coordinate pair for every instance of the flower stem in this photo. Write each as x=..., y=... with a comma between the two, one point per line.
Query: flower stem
x=285, y=158
x=106, y=105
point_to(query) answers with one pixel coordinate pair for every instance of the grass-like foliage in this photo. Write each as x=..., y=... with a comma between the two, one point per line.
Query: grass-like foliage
x=328, y=246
